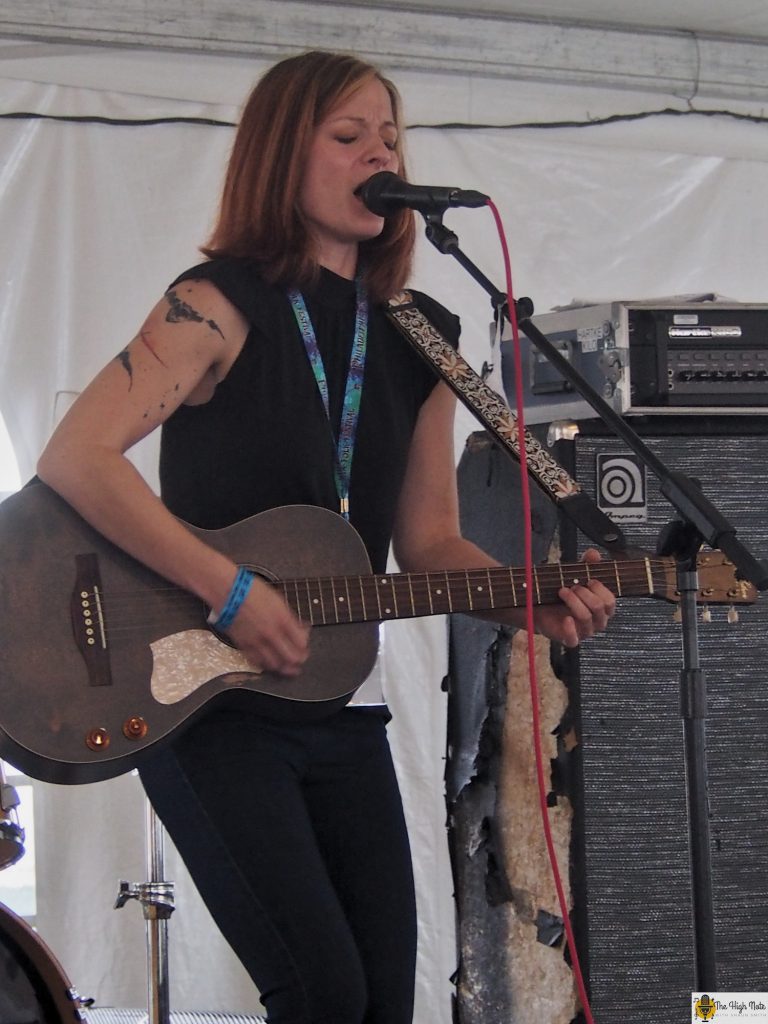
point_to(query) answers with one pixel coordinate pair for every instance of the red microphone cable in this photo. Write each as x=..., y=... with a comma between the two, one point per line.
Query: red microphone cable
x=526, y=498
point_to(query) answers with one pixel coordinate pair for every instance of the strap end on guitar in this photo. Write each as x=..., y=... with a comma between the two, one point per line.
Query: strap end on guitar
x=583, y=511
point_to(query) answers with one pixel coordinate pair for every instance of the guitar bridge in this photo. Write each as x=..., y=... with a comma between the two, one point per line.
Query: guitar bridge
x=88, y=620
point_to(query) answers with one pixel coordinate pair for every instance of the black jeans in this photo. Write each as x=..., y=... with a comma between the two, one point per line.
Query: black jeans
x=295, y=838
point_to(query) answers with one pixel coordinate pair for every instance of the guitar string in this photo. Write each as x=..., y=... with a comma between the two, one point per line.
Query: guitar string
x=415, y=588
x=547, y=575
x=554, y=569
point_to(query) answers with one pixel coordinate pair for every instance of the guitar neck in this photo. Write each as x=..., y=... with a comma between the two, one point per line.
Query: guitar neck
x=338, y=599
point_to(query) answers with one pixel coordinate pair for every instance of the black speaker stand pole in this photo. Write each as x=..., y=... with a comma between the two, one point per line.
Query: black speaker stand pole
x=683, y=542
x=700, y=521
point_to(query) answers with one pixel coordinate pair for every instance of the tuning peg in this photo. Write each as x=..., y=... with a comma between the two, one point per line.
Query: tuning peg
x=733, y=615
x=706, y=613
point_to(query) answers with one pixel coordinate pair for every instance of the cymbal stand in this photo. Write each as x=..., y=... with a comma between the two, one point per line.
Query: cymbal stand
x=157, y=900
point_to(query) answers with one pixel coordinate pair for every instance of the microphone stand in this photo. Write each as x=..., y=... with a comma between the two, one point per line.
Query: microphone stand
x=699, y=521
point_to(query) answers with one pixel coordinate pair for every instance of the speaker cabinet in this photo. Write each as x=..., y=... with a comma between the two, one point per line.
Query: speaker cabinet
x=630, y=857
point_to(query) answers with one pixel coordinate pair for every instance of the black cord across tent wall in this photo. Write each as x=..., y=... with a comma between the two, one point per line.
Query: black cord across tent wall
x=589, y=122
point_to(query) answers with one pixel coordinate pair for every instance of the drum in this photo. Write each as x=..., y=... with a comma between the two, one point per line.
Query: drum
x=33, y=986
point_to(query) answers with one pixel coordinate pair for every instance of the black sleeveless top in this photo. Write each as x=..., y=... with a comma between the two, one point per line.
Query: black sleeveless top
x=263, y=439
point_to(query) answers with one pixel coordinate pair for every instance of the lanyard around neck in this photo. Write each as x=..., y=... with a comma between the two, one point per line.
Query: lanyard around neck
x=345, y=444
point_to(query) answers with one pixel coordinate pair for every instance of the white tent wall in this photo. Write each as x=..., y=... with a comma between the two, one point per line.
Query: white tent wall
x=96, y=219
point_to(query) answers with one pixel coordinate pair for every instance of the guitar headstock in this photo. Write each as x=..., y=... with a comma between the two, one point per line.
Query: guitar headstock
x=718, y=583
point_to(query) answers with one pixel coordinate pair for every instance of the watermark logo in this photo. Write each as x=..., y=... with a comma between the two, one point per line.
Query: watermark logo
x=726, y=1007
x=704, y=1008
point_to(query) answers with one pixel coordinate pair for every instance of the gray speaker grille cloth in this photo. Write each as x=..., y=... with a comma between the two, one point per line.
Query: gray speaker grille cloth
x=636, y=848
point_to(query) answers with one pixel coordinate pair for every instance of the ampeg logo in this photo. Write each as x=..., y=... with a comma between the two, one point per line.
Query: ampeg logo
x=621, y=488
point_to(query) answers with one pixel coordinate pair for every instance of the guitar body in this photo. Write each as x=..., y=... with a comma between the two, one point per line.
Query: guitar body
x=69, y=715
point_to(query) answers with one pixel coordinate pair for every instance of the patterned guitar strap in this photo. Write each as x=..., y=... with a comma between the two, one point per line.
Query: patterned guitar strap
x=496, y=416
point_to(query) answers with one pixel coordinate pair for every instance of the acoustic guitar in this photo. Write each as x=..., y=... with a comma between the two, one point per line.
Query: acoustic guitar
x=101, y=659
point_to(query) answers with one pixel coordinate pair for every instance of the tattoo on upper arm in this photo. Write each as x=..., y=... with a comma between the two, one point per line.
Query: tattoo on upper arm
x=181, y=310
x=125, y=360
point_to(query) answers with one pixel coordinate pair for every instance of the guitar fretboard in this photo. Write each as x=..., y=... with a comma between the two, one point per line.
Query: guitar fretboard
x=336, y=599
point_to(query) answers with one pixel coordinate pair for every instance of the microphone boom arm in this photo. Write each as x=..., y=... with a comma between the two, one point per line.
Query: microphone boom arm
x=447, y=243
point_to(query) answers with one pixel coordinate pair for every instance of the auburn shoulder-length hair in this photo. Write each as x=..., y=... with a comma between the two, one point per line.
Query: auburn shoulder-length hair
x=259, y=215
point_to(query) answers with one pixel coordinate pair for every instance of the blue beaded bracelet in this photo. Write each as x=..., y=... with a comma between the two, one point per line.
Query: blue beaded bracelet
x=235, y=598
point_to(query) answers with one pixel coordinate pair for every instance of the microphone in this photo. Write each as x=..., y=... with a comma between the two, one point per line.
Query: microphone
x=384, y=192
